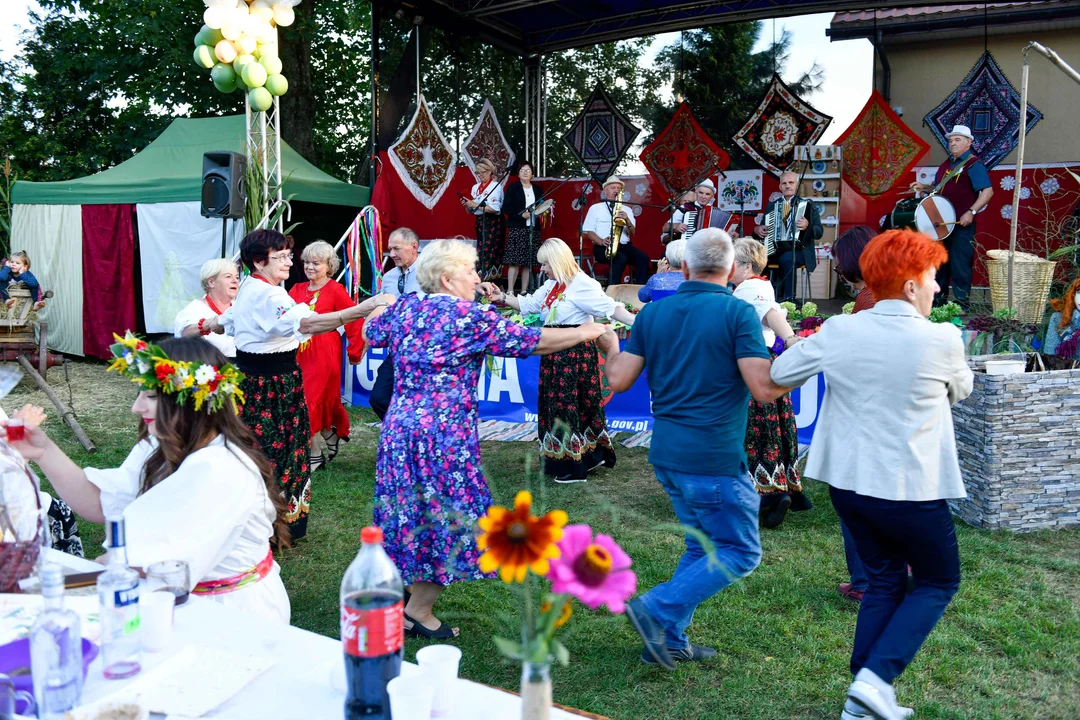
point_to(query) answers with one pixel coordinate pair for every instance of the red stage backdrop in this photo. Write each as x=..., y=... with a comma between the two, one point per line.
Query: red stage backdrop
x=1050, y=193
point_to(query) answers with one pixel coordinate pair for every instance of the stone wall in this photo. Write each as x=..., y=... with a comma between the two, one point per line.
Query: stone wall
x=1018, y=438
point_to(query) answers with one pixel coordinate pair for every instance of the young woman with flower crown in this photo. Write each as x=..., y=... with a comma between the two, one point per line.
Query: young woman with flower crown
x=195, y=487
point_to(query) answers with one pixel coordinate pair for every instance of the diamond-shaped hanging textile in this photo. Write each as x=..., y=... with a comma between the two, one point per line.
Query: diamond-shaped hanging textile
x=487, y=141
x=600, y=135
x=780, y=122
x=987, y=103
x=423, y=159
x=879, y=149
x=683, y=154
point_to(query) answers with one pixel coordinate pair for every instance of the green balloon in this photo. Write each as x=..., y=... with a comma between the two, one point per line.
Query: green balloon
x=276, y=84
x=204, y=57
x=241, y=62
x=260, y=99
x=254, y=75
x=224, y=75
x=207, y=36
x=225, y=87
x=271, y=63
x=266, y=50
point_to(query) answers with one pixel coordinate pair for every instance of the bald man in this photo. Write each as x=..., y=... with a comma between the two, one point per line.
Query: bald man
x=795, y=236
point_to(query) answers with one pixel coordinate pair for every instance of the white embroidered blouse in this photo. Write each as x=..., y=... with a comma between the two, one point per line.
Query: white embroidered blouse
x=264, y=319
x=579, y=302
x=494, y=199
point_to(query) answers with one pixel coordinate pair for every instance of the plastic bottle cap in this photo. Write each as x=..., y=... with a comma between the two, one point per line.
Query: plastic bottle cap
x=371, y=535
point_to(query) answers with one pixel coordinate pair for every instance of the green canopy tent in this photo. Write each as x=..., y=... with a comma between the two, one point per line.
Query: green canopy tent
x=122, y=248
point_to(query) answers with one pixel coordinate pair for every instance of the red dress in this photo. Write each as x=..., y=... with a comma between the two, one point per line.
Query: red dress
x=320, y=357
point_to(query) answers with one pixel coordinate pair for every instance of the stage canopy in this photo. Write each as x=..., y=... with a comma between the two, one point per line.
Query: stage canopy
x=535, y=27
x=170, y=170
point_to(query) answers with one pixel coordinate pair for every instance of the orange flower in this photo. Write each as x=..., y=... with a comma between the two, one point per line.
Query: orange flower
x=516, y=541
x=567, y=611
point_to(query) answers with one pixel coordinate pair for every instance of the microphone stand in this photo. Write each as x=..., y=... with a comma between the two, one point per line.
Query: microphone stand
x=674, y=205
x=532, y=219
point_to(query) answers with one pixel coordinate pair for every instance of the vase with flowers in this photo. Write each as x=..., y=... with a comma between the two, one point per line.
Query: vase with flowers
x=526, y=550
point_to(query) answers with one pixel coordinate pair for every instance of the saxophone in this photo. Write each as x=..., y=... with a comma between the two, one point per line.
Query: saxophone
x=617, y=225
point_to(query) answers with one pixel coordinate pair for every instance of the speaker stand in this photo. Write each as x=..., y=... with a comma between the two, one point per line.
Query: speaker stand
x=224, y=235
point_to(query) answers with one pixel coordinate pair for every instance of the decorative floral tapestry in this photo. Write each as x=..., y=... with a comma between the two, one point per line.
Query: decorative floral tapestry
x=740, y=191
x=987, y=103
x=423, y=159
x=600, y=135
x=683, y=154
x=487, y=141
x=879, y=149
x=780, y=122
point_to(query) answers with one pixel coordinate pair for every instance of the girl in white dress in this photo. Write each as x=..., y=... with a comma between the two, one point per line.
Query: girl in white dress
x=194, y=488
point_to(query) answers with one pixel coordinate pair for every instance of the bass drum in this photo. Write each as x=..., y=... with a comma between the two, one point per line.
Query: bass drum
x=932, y=215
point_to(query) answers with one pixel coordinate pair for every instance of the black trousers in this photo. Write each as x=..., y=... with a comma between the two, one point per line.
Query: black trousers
x=626, y=254
x=958, y=269
x=383, y=390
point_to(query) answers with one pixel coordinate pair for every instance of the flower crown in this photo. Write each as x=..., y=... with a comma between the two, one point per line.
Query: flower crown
x=149, y=366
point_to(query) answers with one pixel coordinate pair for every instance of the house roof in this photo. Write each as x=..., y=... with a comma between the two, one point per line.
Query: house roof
x=999, y=17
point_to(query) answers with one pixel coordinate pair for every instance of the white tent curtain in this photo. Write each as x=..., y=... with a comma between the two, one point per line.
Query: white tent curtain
x=174, y=242
x=52, y=236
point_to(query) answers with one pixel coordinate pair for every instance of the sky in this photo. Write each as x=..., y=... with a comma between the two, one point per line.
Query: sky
x=843, y=93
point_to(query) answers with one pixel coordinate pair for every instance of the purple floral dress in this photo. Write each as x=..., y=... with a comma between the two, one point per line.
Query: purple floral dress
x=429, y=487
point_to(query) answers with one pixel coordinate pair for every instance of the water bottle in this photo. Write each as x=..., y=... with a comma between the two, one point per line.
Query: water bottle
x=372, y=628
x=118, y=593
x=56, y=650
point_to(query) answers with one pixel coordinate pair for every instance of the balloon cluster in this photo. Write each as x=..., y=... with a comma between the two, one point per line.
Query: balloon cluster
x=238, y=45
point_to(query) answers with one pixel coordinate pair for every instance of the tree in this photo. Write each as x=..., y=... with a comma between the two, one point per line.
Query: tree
x=723, y=79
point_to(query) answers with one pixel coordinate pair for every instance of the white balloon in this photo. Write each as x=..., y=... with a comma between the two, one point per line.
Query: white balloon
x=265, y=33
x=264, y=13
x=246, y=45
x=214, y=18
x=230, y=30
x=284, y=15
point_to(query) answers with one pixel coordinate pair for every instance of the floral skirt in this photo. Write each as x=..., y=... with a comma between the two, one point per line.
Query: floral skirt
x=274, y=410
x=517, y=246
x=572, y=423
x=489, y=246
x=772, y=446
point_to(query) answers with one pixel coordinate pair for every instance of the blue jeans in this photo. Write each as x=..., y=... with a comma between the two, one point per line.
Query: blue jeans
x=889, y=536
x=723, y=508
x=854, y=564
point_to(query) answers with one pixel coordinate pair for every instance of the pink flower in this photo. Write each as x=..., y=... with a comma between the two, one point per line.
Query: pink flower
x=596, y=572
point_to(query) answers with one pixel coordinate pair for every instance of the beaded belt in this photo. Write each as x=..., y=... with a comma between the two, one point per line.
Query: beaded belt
x=234, y=583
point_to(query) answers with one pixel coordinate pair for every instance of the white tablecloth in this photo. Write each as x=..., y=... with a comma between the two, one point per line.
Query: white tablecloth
x=300, y=686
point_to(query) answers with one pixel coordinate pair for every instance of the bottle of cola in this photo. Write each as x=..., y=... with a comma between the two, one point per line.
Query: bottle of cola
x=372, y=628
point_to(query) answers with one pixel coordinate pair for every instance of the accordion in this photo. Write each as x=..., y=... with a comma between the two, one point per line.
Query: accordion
x=698, y=218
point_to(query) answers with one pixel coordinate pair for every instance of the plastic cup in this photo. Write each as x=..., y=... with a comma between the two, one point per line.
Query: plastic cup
x=440, y=664
x=16, y=430
x=410, y=698
x=157, y=620
x=171, y=576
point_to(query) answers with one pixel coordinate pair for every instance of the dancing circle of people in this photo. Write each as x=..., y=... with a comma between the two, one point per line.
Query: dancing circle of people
x=243, y=405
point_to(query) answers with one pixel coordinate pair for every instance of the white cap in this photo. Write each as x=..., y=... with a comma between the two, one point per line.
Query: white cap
x=614, y=180
x=962, y=131
x=706, y=183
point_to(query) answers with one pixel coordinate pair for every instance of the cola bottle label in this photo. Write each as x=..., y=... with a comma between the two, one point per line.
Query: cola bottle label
x=373, y=633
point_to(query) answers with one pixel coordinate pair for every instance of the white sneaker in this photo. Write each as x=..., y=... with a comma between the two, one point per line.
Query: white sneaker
x=855, y=711
x=875, y=695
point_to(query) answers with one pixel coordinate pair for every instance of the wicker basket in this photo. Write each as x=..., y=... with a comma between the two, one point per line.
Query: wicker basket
x=1032, y=276
x=18, y=559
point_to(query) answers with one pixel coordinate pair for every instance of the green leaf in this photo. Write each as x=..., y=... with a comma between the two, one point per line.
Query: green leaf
x=509, y=648
x=561, y=653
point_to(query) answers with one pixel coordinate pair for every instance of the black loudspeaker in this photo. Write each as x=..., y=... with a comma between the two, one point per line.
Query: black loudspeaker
x=224, y=192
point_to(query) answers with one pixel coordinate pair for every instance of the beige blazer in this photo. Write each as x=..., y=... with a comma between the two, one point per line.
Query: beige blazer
x=885, y=428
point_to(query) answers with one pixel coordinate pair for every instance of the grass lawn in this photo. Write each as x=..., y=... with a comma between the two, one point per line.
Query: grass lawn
x=1008, y=647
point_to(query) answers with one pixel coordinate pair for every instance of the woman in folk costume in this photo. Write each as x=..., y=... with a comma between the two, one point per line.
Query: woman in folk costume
x=572, y=422
x=195, y=487
x=268, y=327
x=522, y=227
x=772, y=442
x=320, y=357
x=486, y=204
x=1063, y=332
x=220, y=279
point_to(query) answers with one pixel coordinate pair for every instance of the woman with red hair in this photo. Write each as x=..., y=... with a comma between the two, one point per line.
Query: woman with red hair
x=884, y=443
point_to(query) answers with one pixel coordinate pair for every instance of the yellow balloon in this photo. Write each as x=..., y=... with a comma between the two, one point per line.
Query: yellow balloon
x=246, y=45
x=214, y=17
x=225, y=51
x=265, y=13
x=284, y=15
x=265, y=32
x=230, y=30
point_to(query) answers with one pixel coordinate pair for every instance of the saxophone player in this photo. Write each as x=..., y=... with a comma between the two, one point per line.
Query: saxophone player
x=598, y=226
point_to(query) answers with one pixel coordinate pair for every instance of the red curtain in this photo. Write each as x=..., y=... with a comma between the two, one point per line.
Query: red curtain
x=108, y=243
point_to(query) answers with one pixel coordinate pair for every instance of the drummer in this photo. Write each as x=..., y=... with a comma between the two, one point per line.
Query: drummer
x=968, y=189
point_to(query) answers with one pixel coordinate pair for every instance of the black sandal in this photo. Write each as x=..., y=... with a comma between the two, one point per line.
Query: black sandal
x=332, y=447
x=443, y=632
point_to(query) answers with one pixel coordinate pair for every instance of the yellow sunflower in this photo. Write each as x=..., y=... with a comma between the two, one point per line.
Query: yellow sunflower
x=516, y=541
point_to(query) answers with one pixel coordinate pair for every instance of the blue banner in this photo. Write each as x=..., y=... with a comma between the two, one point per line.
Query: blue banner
x=509, y=388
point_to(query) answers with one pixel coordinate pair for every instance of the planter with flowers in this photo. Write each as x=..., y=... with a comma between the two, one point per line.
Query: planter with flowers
x=526, y=550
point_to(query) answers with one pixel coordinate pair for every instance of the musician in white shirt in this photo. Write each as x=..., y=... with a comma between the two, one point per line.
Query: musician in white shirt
x=794, y=236
x=486, y=204
x=597, y=228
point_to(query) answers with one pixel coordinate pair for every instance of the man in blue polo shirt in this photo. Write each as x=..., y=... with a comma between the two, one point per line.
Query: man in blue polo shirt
x=706, y=357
